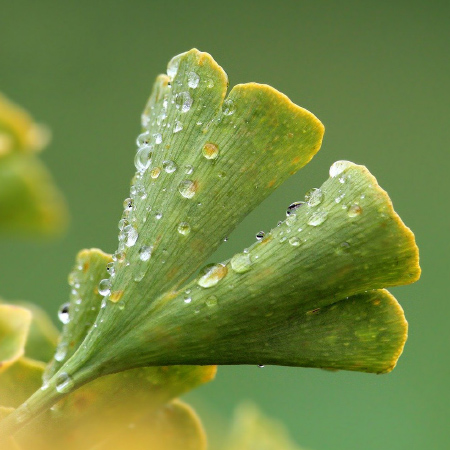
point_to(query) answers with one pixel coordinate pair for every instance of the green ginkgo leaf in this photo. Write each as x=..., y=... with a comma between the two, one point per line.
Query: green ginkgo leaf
x=308, y=293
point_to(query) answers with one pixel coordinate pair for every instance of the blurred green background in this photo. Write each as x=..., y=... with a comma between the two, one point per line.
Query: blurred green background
x=375, y=73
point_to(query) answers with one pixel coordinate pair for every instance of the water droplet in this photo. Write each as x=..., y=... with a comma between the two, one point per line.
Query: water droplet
x=116, y=296
x=317, y=218
x=145, y=252
x=290, y=220
x=172, y=67
x=343, y=247
x=154, y=173
x=178, y=127
x=211, y=301
x=339, y=198
x=210, y=83
x=123, y=223
x=260, y=235
x=63, y=313
x=158, y=138
x=211, y=275
x=293, y=206
x=294, y=241
x=139, y=275
x=143, y=139
x=228, y=107
x=193, y=80
x=158, y=216
x=64, y=383
x=187, y=188
x=189, y=169
x=261, y=366
x=183, y=100
x=354, y=210
x=241, y=262
x=131, y=235
x=187, y=300
x=61, y=351
x=338, y=167
x=184, y=228
x=104, y=287
x=169, y=166
x=143, y=158
x=210, y=151
x=128, y=204
x=314, y=197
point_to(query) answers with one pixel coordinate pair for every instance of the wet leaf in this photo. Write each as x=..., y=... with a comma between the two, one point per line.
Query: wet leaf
x=267, y=314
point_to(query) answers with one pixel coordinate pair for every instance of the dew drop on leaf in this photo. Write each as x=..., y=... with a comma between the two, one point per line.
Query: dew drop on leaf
x=210, y=151
x=61, y=351
x=154, y=173
x=211, y=275
x=338, y=167
x=211, y=301
x=178, y=127
x=228, y=107
x=187, y=188
x=193, y=80
x=317, y=218
x=104, y=287
x=241, y=262
x=294, y=241
x=184, y=228
x=260, y=235
x=354, y=210
x=64, y=383
x=169, y=166
x=292, y=207
x=63, y=313
x=145, y=252
x=314, y=197
x=131, y=235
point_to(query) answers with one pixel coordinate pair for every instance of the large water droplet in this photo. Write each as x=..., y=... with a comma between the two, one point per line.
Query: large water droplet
x=211, y=275
x=169, y=166
x=293, y=206
x=104, y=287
x=338, y=167
x=178, y=127
x=64, y=383
x=145, y=252
x=294, y=241
x=63, y=313
x=354, y=210
x=131, y=235
x=260, y=235
x=183, y=100
x=314, y=197
x=187, y=188
x=241, y=262
x=317, y=218
x=210, y=151
x=154, y=173
x=143, y=158
x=143, y=139
x=61, y=351
x=172, y=67
x=228, y=107
x=193, y=80
x=184, y=228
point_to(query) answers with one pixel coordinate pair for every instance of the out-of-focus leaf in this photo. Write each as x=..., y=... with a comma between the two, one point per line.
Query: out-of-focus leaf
x=251, y=430
x=14, y=325
x=19, y=381
x=29, y=200
x=174, y=426
x=42, y=336
x=18, y=131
